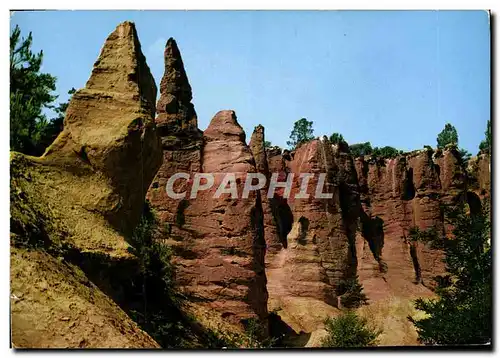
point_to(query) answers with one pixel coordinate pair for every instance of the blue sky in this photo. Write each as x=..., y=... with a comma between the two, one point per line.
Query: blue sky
x=389, y=77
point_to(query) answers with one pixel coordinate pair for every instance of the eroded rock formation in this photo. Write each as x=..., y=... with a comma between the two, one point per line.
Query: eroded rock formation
x=270, y=206
x=309, y=271
x=78, y=200
x=219, y=243
x=181, y=140
x=228, y=267
x=109, y=132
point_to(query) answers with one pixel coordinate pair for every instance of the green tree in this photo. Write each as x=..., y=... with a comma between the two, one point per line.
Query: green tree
x=462, y=313
x=485, y=145
x=267, y=144
x=447, y=136
x=302, y=132
x=464, y=155
x=385, y=152
x=336, y=138
x=349, y=330
x=361, y=149
x=30, y=93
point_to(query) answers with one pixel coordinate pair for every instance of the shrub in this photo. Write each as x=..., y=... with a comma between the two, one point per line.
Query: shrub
x=354, y=296
x=158, y=313
x=349, y=330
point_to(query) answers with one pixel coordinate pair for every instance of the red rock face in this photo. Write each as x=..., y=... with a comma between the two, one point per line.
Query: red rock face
x=228, y=247
x=399, y=194
x=180, y=137
x=316, y=257
x=479, y=170
x=269, y=205
x=484, y=174
x=218, y=244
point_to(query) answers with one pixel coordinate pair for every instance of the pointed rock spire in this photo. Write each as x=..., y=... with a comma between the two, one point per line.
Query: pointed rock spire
x=109, y=127
x=258, y=150
x=225, y=145
x=174, y=108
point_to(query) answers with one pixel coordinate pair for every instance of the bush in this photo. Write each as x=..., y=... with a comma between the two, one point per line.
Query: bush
x=349, y=330
x=252, y=338
x=158, y=313
x=354, y=296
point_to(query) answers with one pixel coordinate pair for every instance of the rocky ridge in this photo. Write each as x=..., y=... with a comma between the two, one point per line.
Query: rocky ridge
x=238, y=259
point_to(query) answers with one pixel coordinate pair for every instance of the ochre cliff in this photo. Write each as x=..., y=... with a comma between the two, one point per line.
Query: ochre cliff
x=235, y=259
x=77, y=201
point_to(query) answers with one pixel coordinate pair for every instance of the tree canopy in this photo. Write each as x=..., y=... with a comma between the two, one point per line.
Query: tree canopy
x=386, y=152
x=485, y=145
x=336, y=138
x=361, y=149
x=302, y=132
x=30, y=93
x=447, y=136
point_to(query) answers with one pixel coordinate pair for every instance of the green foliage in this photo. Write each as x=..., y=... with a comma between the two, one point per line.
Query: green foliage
x=302, y=132
x=267, y=144
x=361, y=149
x=349, y=330
x=464, y=156
x=485, y=145
x=336, y=138
x=255, y=338
x=462, y=314
x=30, y=92
x=159, y=312
x=385, y=152
x=447, y=136
x=430, y=235
x=252, y=338
x=354, y=296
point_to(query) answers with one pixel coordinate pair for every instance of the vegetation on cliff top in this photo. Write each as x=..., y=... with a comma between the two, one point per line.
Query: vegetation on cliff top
x=485, y=145
x=302, y=132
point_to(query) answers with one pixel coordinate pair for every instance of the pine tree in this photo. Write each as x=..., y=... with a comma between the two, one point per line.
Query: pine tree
x=447, y=136
x=462, y=314
x=30, y=92
x=485, y=145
